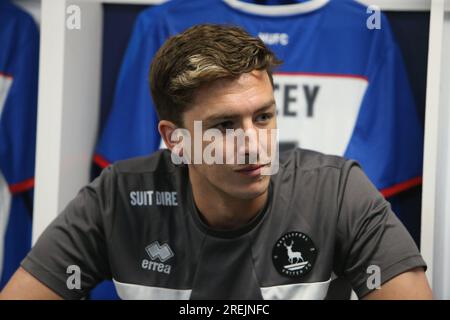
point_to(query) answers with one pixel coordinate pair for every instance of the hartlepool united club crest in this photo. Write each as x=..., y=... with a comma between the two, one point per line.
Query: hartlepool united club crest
x=294, y=254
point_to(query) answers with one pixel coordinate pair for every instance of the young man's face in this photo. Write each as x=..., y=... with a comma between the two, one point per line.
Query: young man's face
x=246, y=103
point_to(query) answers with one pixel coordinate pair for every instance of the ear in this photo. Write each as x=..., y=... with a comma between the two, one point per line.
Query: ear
x=166, y=129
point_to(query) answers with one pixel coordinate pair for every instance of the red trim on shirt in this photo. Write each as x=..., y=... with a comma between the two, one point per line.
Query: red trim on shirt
x=21, y=186
x=316, y=74
x=6, y=75
x=100, y=161
x=400, y=187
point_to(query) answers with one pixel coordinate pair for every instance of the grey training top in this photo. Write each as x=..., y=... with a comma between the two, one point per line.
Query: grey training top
x=138, y=224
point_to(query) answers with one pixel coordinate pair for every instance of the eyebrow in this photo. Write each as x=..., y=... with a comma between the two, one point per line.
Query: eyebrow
x=227, y=115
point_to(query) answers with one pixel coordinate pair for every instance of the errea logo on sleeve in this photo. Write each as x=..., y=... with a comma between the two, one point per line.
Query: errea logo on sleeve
x=153, y=198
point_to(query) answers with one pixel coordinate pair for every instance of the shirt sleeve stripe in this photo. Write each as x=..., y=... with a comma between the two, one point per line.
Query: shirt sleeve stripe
x=400, y=187
x=22, y=186
x=100, y=161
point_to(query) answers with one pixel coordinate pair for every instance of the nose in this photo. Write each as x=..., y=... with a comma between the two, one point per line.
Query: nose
x=248, y=146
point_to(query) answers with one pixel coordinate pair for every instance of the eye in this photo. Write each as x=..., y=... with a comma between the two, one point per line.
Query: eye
x=224, y=125
x=264, y=117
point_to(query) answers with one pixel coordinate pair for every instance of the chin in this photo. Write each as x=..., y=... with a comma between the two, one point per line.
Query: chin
x=251, y=190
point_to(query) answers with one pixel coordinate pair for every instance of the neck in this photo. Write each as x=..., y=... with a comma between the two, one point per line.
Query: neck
x=222, y=211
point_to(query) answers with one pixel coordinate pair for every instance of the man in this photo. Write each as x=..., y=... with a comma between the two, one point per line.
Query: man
x=165, y=230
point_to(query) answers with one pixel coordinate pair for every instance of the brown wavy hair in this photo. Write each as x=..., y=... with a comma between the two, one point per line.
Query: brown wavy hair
x=201, y=54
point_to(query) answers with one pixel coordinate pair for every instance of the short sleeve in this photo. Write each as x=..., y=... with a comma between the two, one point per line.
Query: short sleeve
x=388, y=137
x=131, y=129
x=369, y=234
x=18, y=106
x=78, y=236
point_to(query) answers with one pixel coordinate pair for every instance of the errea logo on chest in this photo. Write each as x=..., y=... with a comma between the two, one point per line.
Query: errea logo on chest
x=153, y=198
x=158, y=252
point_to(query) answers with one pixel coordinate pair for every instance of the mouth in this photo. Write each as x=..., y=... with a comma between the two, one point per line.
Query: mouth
x=253, y=170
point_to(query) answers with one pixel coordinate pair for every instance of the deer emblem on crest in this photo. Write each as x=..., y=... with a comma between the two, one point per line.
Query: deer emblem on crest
x=293, y=254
